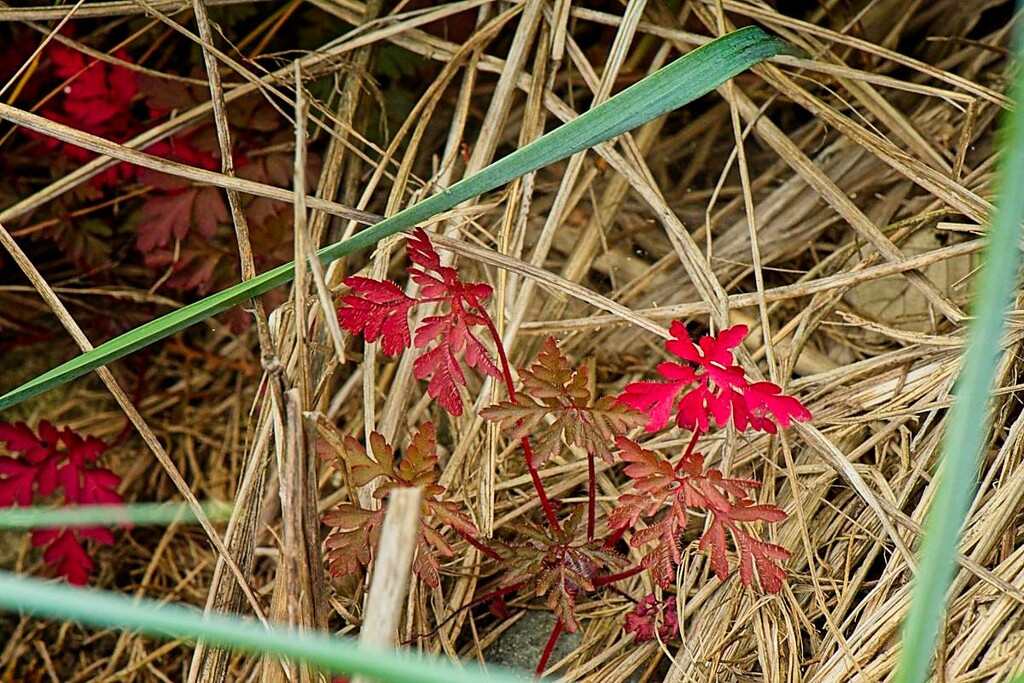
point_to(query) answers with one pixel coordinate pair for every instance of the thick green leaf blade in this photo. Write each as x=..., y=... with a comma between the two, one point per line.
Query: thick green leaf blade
x=340, y=655
x=969, y=417
x=136, y=514
x=684, y=80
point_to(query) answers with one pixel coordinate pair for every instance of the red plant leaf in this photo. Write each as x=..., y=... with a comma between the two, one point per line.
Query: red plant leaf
x=441, y=368
x=653, y=618
x=17, y=481
x=378, y=310
x=58, y=460
x=356, y=530
x=355, y=534
x=721, y=389
x=558, y=564
x=686, y=488
x=65, y=554
x=551, y=388
x=657, y=399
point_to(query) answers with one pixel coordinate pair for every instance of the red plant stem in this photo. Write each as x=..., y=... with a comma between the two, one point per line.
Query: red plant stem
x=479, y=545
x=591, y=495
x=549, y=648
x=613, y=578
x=616, y=536
x=497, y=593
x=689, y=450
x=506, y=371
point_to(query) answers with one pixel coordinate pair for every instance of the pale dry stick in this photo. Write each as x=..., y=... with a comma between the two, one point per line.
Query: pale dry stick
x=220, y=120
x=739, y=134
x=295, y=591
x=213, y=663
x=501, y=101
x=392, y=568
x=76, y=333
x=307, y=250
x=308, y=459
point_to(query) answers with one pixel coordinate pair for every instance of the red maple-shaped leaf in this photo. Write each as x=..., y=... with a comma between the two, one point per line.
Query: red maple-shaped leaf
x=354, y=535
x=552, y=389
x=684, y=488
x=379, y=309
x=712, y=388
x=356, y=530
x=764, y=400
x=64, y=461
x=99, y=94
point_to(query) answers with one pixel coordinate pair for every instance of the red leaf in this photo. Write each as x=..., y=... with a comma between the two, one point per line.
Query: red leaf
x=379, y=310
x=653, y=617
x=351, y=544
x=657, y=399
x=17, y=479
x=686, y=487
x=441, y=368
x=722, y=391
x=764, y=398
x=65, y=553
x=551, y=388
x=58, y=460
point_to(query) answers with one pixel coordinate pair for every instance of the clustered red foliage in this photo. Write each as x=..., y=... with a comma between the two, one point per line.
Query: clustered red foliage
x=554, y=409
x=183, y=231
x=58, y=461
x=357, y=530
x=380, y=310
x=716, y=388
x=652, y=619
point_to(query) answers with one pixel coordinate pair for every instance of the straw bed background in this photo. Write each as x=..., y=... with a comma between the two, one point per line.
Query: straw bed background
x=869, y=166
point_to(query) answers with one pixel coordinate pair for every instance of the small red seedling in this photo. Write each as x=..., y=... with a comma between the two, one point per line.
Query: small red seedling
x=552, y=411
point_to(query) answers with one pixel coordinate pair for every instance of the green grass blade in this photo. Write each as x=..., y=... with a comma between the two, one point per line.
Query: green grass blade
x=689, y=77
x=968, y=417
x=136, y=514
x=339, y=655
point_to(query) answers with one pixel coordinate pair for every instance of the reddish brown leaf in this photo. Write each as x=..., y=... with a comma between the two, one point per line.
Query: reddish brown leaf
x=551, y=388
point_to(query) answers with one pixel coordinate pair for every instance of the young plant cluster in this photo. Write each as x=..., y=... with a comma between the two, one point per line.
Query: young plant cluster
x=179, y=231
x=58, y=464
x=554, y=412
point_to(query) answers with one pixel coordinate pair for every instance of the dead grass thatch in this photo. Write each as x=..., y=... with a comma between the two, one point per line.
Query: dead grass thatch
x=838, y=199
